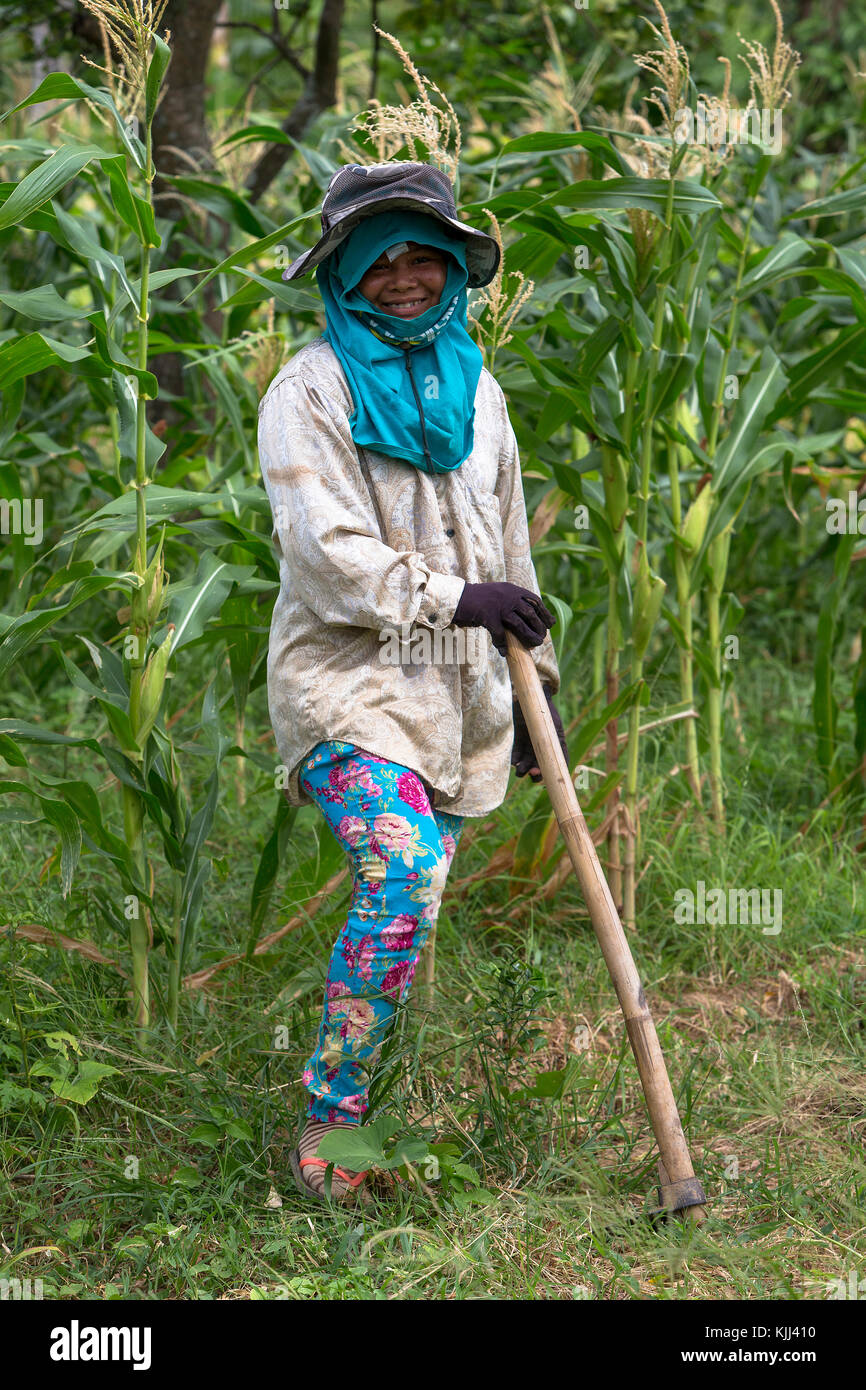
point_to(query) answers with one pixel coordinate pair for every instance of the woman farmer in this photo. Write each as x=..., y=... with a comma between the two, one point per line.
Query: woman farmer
x=394, y=481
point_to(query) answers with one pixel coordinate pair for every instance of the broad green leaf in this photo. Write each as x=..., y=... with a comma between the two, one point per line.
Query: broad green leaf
x=704, y=659
x=550, y=1085
x=135, y=211
x=14, y=755
x=239, y=1129
x=775, y=263
x=596, y=348
x=293, y=296
x=48, y=178
x=272, y=134
x=68, y=827
x=34, y=352
x=412, y=1151
x=479, y=1196
x=11, y=402
x=351, y=1148
x=89, y=810
x=620, y=194
x=19, y=815
x=157, y=278
x=269, y=865
x=636, y=693
x=252, y=251
x=38, y=733
x=86, y=1083
x=42, y=303
x=301, y=884
x=79, y=233
x=557, y=409
x=187, y=1176
x=240, y=612
x=192, y=604
x=564, y=615
x=604, y=535
x=760, y=394
x=854, y=264
x=852, y=200
x=24, y=630
x=61, y=1041
x=61, y=84
x=552, y=142
x=838, y=282
x=809, y=373
x=208, y=1134
x=165, y=502
x=114, y=705
x=113, y=357
x=228, y=393
x=64, y=822
x=360, y=1146
x=121, y=195
x=125, y=391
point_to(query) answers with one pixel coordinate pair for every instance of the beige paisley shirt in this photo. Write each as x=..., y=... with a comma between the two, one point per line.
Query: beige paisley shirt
x=374, y=554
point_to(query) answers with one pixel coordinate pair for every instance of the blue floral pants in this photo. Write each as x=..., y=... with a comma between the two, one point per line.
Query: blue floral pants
x=400, y=850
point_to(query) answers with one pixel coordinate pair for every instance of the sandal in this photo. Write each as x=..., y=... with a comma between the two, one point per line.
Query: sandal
x=344, y=1183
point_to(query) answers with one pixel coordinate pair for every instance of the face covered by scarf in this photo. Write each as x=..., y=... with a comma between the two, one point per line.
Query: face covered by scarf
x=413, y=381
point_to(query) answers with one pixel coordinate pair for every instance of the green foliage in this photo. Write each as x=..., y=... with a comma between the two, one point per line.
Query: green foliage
x=623, y=361
x=689, y=370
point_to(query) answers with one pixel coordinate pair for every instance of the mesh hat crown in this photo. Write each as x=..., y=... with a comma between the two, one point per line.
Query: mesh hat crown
x=357, y=191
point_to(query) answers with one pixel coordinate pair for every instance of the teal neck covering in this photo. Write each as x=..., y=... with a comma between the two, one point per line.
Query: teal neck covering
x=413, y=381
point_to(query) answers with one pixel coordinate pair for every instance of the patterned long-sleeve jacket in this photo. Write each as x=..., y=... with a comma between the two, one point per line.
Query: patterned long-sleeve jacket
x=374, y=554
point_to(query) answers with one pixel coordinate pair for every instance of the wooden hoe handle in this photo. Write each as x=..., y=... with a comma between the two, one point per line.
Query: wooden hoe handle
x=680, y=1189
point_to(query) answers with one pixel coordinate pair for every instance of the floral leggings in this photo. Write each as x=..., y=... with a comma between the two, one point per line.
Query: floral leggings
x=400, y=850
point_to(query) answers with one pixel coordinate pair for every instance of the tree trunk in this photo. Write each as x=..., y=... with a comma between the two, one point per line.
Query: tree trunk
x=320, y=92
x=180, y=133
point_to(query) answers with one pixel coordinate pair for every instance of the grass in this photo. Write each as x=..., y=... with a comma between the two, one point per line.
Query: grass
x=173, y=1180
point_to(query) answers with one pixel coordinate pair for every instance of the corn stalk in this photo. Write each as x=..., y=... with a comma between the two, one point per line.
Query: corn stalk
x=614, y=473
x=649, y=589
x=147, y=668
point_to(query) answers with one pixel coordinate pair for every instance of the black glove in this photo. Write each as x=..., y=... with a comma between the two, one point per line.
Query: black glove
x=498, y=606
x=522, y=753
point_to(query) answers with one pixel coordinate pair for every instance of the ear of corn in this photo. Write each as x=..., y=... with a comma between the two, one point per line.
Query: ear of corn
x=648, y=595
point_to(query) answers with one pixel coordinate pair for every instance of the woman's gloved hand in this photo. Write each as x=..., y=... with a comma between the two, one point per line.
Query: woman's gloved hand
x=498, y=606
x=523, y=757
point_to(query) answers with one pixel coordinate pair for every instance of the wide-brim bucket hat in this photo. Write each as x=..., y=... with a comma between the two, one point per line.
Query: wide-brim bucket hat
x=357, y=191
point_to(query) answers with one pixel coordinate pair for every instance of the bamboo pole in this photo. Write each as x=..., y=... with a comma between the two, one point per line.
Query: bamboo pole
x=680, y=1189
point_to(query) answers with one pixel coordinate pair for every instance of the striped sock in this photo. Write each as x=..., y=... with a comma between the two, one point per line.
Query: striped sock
x=308, y=1143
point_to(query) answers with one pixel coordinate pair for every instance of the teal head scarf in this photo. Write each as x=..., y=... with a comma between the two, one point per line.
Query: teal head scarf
x=413, y=381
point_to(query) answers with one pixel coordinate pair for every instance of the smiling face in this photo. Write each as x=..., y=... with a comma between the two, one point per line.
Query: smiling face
x=409, y=285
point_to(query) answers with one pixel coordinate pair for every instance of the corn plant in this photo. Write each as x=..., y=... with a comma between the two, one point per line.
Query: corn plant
x=129, y=171
x=131, y=671
x=643, y=353
x=673, y=322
